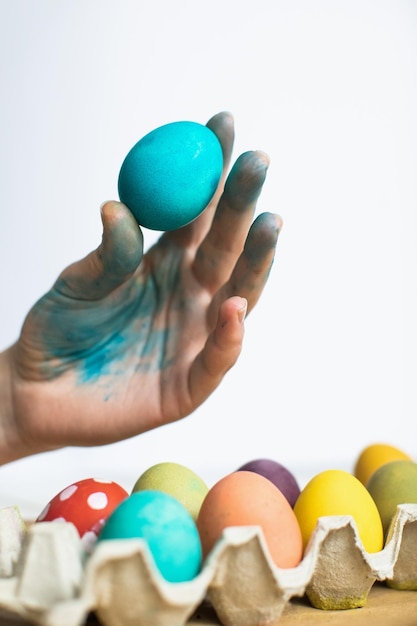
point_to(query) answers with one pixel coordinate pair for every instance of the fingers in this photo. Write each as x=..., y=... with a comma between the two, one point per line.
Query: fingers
x=222, y=124
x=217, y=254
x=252, y=269
x=220, y=352
x=112, y=263
x=254, y=265
x=121, y=249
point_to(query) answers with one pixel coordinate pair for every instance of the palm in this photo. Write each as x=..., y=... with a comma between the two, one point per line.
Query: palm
x=122, y=344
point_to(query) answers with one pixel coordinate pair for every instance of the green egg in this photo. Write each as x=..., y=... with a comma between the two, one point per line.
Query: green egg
x=176, y=480
x=392, y=484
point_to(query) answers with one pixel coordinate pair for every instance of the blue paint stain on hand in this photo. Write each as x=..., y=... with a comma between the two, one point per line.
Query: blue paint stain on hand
x=118, y=335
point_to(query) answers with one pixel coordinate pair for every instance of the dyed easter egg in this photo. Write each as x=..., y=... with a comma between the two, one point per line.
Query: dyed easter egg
x=336, y=492
x=86, y=504
x=249, y=499
x=178, y=481
x=373, y=457
x=276, y=473
x=170, y=175
x=167, y=528
x=393, y=484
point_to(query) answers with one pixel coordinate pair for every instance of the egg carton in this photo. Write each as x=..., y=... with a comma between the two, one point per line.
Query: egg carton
x=47, y=579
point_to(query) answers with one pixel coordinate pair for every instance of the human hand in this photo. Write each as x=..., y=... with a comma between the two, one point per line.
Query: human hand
x=126, y=341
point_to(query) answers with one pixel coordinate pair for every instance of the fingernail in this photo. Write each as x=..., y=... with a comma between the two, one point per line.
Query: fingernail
x=242, y=311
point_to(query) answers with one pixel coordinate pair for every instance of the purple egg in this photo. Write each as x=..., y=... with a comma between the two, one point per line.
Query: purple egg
x=277, y=474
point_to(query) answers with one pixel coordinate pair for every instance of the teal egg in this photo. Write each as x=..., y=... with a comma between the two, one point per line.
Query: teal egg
x=167, y=528
x=170, y=175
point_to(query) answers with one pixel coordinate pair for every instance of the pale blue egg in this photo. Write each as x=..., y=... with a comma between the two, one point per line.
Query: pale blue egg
x=167, y=528
x=170, y=175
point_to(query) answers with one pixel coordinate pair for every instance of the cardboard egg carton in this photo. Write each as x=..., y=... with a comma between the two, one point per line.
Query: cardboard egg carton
x=46, y=578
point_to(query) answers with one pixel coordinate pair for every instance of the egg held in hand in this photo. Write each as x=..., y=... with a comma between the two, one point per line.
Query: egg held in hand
x=337, y=492
x=178, y=481
x=86, y=504
x=249, y=499
x=170, y=175
x=167, y=528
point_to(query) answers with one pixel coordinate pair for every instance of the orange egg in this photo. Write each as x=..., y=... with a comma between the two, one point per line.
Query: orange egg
x=245, y=498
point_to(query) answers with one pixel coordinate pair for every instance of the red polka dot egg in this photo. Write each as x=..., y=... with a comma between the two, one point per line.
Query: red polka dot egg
x=86, y=504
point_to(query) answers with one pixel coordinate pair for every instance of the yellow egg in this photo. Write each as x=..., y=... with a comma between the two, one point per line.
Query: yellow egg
x=373, y=457
x=336, y=492
x=176, y=480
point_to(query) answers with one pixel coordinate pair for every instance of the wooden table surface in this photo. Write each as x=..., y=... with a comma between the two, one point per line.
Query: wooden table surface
x=385, y=607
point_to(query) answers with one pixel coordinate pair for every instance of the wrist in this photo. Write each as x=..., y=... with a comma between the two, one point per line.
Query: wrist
x=12, y=444
x=6, y=406
x=16, y=438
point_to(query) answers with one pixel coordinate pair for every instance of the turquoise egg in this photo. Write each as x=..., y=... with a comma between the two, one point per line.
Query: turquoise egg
x=167, y=528
x=171, y=174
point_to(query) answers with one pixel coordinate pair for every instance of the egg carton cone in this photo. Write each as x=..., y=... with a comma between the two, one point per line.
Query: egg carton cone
x=48, y=579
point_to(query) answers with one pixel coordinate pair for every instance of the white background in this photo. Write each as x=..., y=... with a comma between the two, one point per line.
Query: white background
x=329, y=91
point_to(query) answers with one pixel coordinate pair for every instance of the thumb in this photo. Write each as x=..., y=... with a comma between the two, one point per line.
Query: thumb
x=112, y=263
